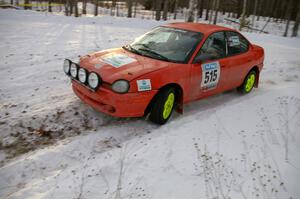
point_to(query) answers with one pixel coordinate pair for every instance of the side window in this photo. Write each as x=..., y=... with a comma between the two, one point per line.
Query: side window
x=213, y=48
x=236, y=43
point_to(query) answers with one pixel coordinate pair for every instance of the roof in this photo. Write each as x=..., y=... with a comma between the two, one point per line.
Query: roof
x=197, y=27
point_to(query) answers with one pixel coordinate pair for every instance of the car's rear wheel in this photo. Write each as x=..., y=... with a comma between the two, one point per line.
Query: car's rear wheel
x=163, y=106
x=248, y=83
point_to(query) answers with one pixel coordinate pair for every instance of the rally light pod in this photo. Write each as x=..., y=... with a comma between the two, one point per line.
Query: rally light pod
x=94, y=80
x=74, y=70
x=67, y=66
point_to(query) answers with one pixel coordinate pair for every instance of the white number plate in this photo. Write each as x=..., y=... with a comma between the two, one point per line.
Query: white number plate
x=210, y=75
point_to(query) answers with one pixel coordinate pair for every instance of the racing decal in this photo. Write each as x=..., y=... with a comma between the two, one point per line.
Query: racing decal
x=117, y=60
x=234, y=40
x=144, y=85
x=210, y=75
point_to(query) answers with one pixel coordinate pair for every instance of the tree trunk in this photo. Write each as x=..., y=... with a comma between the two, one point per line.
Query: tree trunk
x=281, y=5
x=76, y=8
x=175, y=9
x=212, y=11
x=286, y=28
x=117, y=8
x=135, y=7
x=243, y=19
x=275, y=8
x=84, y=7
x=96, y=8
x=129, y=5
x=200, y=8
x=157, y=9
x=259, y=5
x=12, y=2
x=26, y=7
x=207, y=10
x=165, y=12
x=71, y=7
x=254, y=12
x=216, y=11
x=49, y=6
x=112, y=8
x=239, y=6
x=192, y=6
x=290, y=6
x=296, y=25
x=284, y=9
x=67, y=8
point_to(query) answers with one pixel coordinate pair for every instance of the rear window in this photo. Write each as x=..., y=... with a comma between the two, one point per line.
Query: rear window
x=236, y=43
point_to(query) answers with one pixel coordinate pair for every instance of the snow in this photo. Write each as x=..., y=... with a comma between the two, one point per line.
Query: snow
x=226, y=146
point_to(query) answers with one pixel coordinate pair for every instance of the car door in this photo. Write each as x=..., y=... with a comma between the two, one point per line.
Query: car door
x=240, y=59
x=209, y=66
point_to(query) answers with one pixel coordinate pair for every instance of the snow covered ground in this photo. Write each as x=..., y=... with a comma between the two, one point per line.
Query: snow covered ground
x=227, y=146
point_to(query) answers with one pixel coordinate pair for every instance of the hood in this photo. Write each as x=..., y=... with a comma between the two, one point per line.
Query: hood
x=118, y=63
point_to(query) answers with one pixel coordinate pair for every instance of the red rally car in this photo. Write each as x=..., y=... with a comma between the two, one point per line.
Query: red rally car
x=165, y=68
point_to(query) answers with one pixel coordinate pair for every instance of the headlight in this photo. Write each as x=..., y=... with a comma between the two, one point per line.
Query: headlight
x=67, y=64
x=74, y=70
x=120, y=86
x=82, y=75
x=94, y=80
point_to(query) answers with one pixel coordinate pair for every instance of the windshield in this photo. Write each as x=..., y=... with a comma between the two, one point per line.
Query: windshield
x=169, y=44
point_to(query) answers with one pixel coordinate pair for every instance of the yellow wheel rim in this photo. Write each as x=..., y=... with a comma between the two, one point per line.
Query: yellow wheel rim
x=168, y=105
x=250, y=83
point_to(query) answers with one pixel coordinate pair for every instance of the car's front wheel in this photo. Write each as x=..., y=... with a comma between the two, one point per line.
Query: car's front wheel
x=248, y=83
x=163, y=106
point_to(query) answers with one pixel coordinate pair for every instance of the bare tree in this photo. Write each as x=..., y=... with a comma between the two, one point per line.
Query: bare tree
x=207, y=10
x=212, y=11
x=27, y=6
x=67, y=8
x=117, y=7
x=129, y=5
x=238, y=9
x=289, y=15
x=135, y=7
x=200, y=8
x=165, y=12
x=259, y=4
x=216, y=10
x=175, y=8
x=157, y=9
x=192, y=7
x=49, y=6
x=71, y=4
x=296, y=25
x=254, y=12
x=84, y=7
x=113, y=7
x=243, y=18
x=96, y=8
x=76, y=8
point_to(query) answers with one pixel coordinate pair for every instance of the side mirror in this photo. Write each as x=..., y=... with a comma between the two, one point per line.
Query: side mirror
x=203, y=57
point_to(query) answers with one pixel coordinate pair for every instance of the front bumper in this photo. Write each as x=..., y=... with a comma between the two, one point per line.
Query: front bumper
x=114, y=104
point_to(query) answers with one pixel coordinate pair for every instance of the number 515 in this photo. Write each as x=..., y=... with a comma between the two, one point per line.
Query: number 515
x=210, y=76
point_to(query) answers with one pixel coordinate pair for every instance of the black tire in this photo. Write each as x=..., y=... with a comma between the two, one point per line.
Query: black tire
x=158, y=105
x=243, y=88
